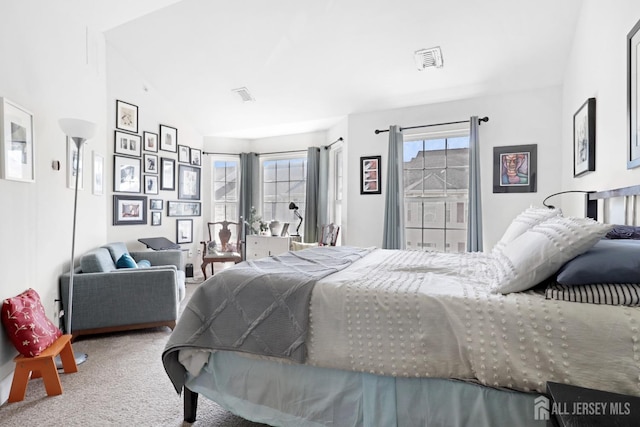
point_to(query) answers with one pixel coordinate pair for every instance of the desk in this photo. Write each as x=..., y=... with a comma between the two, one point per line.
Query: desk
x=264, y=246
x=159, y=243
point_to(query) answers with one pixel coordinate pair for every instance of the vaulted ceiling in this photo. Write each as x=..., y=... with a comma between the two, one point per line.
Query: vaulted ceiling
x=309, y=63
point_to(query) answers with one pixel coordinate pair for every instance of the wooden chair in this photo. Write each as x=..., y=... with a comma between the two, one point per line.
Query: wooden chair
x=226, y=252
x=328, y=235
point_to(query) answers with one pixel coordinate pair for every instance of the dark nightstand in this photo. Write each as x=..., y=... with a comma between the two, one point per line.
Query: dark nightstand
x=577, y=406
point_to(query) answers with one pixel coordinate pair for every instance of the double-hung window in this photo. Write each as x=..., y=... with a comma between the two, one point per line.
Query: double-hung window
x=436, y=184
x=226, y=183
x=284, y=180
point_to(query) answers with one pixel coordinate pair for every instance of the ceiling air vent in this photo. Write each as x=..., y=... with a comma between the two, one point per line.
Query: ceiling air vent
x=244, y=94
x=426, y=58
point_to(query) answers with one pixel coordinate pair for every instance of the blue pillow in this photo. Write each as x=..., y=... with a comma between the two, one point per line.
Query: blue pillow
x=143, y=263
x=608, y=261
x=126, y=261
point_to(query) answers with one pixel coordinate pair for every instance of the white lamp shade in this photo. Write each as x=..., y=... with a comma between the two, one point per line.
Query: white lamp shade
x=77, y=128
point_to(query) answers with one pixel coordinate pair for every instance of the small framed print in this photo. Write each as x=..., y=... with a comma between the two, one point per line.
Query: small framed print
x=156, y=218
x=584, y=138
x=98, y=174
x=183, y=154
x=127, y=144
x=151, y=184
x=196, y=157
x=150, y=163
x=370, y=175
x=515, y=168
x=168, y=138
x=156, y=204
x=126, y=116
x=183, y=208
x=126, y=174
x=167, y=174
x=184, y=231
x=16, y=143
x=150, y=140
x=188, y=182
x=129, y=210
x=75, y=161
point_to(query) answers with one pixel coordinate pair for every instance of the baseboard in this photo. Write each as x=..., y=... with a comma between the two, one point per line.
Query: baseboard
x=5, y=388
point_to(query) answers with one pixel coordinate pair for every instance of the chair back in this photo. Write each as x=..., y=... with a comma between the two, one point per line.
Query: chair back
x=329, y=235
x=227, y=231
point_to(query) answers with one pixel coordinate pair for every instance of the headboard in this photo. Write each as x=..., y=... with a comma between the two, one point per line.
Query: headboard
x=618, y=206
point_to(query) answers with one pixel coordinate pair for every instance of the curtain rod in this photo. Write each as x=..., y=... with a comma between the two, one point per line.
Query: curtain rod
x=480, y=120
x=276, y=152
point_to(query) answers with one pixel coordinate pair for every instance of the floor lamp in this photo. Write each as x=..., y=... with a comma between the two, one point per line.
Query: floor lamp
x=79, y=131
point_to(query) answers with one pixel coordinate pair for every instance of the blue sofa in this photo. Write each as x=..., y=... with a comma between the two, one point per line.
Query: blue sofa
x=108, y=299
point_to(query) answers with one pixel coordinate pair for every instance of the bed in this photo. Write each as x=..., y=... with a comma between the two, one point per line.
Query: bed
x=347, y=336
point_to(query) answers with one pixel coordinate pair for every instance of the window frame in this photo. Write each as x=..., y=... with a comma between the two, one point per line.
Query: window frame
x=290, y=155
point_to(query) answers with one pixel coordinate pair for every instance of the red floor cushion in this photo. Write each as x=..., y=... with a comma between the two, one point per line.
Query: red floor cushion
x=27, y=325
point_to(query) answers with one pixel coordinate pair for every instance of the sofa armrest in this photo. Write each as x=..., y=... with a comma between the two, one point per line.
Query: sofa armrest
x=168, y=257
x=122, y=297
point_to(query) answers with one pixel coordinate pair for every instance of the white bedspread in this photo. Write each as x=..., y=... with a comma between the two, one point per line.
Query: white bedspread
x=426, y=314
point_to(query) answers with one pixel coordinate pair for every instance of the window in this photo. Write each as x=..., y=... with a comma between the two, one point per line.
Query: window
x=283, y=181
x=436, y=181
x=225, y=190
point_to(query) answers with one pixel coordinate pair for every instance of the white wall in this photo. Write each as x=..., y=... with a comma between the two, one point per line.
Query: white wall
x=45, y=70
x=598, y=68
x=532, y=117
x=126, y=84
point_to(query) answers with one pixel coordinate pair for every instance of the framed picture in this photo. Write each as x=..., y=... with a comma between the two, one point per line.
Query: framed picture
x=196, y=157
x=370, y=175
x=183, y=154
x=16, y=136
x=584, y=138
x=156, y=204
x=167, y=174
x=188, y=182
x=168, y=138
x=151, y=184
x=97, y=186
x=75, y=162
x=126, y=116
x=515, y=168
x=150, y=140
x=126, y=174
x=156, y=218
x=129, y=210
x=127, y=144
x=183, y=208
x=285, y=230
x=633, y=97
x=150, y=163
x=184, y=231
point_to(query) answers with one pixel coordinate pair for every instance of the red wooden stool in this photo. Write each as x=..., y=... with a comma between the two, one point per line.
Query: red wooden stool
x=43, y=366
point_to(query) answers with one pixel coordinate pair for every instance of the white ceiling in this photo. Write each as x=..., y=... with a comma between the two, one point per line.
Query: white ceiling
x=309, y=63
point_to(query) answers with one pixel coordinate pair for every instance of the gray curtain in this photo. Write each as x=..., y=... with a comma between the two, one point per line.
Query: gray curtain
x=474, y=224
x=313, y=190
x=323, y=187
x=249, y=185
x=393, y=237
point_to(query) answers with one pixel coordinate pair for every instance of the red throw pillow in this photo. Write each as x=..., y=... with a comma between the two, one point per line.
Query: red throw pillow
x=28, y=327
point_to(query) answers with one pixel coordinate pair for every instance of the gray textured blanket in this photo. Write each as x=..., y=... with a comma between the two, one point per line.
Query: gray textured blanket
x=259, y=307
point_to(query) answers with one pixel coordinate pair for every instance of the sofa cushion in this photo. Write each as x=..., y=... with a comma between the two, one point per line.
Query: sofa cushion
x=116, y=249
x=27, y=325
x=97, y=261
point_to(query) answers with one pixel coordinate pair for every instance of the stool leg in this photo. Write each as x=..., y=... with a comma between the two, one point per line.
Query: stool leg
x=50, y=377
x=68, y=359
x=19, y=384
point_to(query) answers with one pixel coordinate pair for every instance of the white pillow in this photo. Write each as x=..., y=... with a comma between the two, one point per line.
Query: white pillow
x=540, y=252
x=529, y=218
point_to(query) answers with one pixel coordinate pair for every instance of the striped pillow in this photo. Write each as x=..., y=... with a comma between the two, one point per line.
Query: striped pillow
x=612, y=294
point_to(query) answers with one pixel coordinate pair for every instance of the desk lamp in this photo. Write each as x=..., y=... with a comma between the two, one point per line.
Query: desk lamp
x=294, y=208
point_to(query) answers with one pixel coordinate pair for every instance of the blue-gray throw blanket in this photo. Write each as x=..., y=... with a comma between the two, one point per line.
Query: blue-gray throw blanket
x=259, y=307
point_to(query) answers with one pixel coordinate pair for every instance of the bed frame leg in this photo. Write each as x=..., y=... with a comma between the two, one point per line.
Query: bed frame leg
x=190, y=405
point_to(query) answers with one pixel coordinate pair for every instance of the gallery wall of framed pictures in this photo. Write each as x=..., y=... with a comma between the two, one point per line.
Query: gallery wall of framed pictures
x=152, y=165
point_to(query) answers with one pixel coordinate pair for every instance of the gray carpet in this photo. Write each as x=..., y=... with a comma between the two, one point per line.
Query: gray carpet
x=122, y=383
